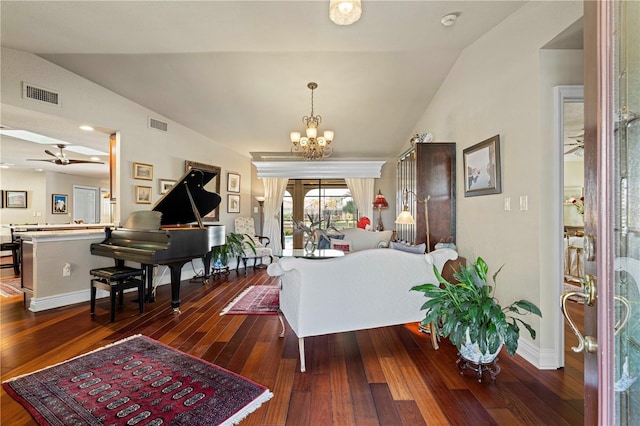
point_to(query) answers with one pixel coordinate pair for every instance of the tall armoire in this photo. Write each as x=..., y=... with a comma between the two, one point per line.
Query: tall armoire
x=428, y=170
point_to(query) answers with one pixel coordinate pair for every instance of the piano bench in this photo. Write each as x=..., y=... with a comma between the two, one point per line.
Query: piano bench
x=115, y=280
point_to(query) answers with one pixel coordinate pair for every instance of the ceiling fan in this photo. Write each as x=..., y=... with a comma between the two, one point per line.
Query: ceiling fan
x=577, y=147
x=61, y=158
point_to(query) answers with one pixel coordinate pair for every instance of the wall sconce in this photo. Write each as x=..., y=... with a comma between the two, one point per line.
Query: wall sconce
x=405, y=217
x=380, y=203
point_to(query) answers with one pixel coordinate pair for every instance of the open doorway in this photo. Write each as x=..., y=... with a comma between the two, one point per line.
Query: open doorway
x=569, y=136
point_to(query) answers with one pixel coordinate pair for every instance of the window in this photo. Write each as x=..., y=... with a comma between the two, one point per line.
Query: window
x=326, y=202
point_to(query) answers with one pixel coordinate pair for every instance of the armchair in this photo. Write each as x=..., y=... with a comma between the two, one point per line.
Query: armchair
x=246, y=225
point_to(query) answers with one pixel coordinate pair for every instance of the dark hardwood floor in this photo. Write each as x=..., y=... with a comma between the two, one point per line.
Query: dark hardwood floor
x=384, y=376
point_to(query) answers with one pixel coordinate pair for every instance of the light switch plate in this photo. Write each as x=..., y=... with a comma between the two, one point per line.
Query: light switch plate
x=507, y=204
x=524, y=202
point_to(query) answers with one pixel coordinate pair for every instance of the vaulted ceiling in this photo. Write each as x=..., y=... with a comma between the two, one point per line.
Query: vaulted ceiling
x=237, y=71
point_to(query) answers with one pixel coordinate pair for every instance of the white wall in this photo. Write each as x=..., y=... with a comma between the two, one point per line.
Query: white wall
x=501, y=85
x=84, y=101
x=35, y=185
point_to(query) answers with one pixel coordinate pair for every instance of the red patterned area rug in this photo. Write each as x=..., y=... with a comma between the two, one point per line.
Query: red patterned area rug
x=137, y=381
x=255, y=300
x=10, y=287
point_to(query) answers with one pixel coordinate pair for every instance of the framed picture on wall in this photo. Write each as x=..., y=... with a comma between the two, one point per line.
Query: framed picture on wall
x=165, y=184
x=143, y=194
x=482, y=168
x=233, y=182
x=59, y=203
x=233, y=203
x=15, y=199
x=142, y=171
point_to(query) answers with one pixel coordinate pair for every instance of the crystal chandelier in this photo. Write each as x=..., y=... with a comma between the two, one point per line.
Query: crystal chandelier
x=311, y=146
x=345, y=12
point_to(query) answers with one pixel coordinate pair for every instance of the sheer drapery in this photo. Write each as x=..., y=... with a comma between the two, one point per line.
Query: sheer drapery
x=362, y=193
x=273, y=192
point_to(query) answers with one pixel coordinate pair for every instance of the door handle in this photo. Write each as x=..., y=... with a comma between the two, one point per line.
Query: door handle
x=627, y=313
x=588, y=293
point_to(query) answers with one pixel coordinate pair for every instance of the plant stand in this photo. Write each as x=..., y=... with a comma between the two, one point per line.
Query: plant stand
x=218, y=272
x=479, y=368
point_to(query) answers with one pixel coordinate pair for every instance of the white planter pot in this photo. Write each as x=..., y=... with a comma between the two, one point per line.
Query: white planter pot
x=471, y=352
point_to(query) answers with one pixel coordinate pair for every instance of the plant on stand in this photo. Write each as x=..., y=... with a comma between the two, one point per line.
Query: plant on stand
x=472, y=318
x=234, y=246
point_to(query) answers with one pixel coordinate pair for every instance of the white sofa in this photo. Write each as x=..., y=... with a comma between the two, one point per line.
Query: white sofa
x=366, y=289
x=363, y=240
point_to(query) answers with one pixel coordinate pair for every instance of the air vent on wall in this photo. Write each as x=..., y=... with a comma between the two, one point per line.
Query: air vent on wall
x=40, y=94
x=157, y=124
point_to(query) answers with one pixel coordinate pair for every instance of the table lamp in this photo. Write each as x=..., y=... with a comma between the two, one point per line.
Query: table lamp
x=380, y=203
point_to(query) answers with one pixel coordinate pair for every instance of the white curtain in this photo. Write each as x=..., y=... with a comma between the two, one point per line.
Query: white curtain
x=273, y=193
x=362, y=193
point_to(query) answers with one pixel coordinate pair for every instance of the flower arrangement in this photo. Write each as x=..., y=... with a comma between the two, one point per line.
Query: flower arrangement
x=578, y=203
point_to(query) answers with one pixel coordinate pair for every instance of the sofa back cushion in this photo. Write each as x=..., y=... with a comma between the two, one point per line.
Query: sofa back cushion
x=419, y=249
x=363, y=240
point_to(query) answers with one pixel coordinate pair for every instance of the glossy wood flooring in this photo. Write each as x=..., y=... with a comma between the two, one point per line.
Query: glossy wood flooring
x=384, y=376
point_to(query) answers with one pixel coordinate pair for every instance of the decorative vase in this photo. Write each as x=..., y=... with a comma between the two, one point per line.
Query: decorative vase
x=310, y=243
x=471, y=352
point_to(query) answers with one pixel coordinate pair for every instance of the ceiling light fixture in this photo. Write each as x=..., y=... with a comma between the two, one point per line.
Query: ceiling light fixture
x=449, y=19
x=86, y=127
x=311, y=146
x=343, y=12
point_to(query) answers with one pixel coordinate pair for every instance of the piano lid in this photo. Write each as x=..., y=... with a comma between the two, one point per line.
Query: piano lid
x=176, y=204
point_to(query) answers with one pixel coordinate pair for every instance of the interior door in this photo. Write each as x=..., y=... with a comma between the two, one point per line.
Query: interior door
x=611, y=287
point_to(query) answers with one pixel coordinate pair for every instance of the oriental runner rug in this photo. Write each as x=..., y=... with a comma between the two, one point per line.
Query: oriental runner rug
x=10, y=287
x=137, y=381
x=255, y=300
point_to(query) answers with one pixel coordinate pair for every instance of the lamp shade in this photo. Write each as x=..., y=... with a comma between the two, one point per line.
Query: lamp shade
x=295, y=137
x=405, y=218
x=380, y=202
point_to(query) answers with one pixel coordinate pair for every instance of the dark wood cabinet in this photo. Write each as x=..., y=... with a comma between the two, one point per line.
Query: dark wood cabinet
x=428, y=170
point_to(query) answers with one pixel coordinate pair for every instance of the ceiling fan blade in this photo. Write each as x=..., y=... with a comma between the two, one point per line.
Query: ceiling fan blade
x=84, y=161
x=572, y=150
x=50, y=153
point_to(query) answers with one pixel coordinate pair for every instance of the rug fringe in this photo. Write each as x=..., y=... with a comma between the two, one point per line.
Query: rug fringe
x=253, y=406
x=236, y=300
x=117, y=342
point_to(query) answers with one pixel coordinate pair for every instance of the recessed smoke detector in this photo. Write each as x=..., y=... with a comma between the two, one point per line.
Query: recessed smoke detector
x=449, y=19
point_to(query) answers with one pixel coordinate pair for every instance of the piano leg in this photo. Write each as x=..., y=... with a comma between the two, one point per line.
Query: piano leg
x=176, y=273
x=148, y=272
x=206, y=260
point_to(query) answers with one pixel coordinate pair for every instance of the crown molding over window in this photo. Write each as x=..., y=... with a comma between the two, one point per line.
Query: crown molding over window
x=319, y=170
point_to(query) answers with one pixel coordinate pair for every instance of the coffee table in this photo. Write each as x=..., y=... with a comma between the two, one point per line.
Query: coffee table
x=317, y=254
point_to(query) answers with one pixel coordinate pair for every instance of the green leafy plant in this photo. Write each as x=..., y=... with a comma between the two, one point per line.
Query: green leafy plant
x=470, y=305
x=234, y=246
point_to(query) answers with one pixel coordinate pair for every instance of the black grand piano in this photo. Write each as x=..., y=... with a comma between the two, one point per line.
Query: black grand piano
x=171, y=234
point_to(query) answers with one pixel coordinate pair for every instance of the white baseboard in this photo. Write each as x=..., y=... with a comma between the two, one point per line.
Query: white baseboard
x=65, y=299
x=542, y=359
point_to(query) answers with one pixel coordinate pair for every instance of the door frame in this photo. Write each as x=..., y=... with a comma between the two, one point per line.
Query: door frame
x=561, y=94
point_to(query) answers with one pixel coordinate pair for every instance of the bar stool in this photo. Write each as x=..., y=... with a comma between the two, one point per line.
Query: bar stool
x=15, y=249
x=116, y=279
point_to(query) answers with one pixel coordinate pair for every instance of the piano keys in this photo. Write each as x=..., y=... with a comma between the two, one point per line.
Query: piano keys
x=167, y=235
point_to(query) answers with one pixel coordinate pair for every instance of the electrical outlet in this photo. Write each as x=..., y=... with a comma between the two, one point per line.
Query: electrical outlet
x=66, y=270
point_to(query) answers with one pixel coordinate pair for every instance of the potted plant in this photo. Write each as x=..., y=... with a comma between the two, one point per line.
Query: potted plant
x=467, y=313
x=234, y=246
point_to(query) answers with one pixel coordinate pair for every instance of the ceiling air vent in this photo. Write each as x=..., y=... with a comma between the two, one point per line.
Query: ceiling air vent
x=157, y=124
x=29, y=91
